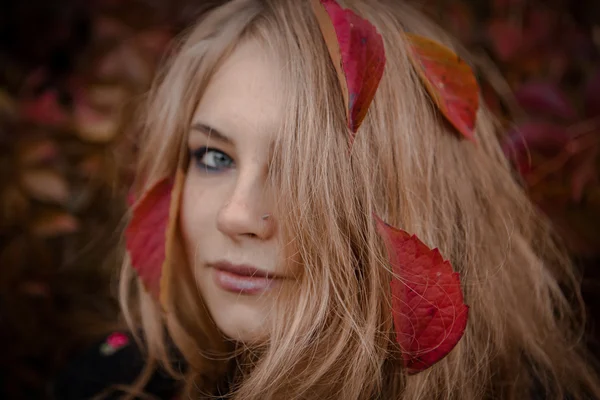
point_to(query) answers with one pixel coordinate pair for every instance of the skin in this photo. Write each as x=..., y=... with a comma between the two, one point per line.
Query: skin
x=226, y=195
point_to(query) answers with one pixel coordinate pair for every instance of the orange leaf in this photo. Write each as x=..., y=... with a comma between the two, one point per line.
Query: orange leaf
x=357, y=52
x=449, y=81
x=427, y=300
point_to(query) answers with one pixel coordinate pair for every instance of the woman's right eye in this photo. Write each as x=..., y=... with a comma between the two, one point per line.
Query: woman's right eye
x=212, y=160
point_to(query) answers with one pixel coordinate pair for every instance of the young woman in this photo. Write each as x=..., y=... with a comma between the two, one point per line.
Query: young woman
x=273, y=281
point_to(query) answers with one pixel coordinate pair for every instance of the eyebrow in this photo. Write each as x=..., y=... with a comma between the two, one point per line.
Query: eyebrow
x=211, y=132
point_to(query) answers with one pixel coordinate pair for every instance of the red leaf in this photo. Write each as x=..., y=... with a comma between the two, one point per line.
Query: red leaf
x=358, y=54
x=545, y=98
x=146, y=234
x=449, y=80
x=427, y=301
x=151, y=230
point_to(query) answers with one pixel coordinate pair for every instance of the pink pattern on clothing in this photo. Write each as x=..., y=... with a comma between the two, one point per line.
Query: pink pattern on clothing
x=113, y=343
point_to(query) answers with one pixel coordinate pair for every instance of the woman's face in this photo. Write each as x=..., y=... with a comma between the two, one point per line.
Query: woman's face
x=229, y=231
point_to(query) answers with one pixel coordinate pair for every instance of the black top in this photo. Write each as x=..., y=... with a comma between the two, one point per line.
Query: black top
x=116, y=360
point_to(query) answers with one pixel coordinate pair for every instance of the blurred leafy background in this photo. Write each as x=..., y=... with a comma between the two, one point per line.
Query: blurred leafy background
x=71, y=73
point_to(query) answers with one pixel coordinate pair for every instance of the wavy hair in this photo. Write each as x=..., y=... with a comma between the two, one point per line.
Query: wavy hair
x=332, y=336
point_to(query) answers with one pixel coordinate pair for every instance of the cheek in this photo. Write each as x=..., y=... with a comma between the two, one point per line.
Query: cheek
x=198, y=211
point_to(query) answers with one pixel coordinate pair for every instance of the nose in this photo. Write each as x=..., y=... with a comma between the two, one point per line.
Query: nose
x=245, y=212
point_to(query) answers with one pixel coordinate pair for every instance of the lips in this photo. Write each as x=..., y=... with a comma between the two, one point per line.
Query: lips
x=243, y=279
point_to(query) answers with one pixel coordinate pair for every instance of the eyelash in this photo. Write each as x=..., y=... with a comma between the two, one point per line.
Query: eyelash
x=201, y=152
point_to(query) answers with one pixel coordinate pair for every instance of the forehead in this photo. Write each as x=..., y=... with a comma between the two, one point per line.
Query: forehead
x=245, y=95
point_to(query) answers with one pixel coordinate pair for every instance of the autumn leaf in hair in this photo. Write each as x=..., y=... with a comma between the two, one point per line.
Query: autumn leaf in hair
x=427, y=304
x=427, y=301
x=449, y=80
x=150, y=232
x=357, y=52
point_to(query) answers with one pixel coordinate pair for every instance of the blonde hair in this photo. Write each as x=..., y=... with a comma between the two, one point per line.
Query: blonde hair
x=333, y=335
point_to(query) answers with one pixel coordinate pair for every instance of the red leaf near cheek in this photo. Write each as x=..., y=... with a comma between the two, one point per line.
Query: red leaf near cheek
x=427, y=301
x=146, y=234
x=450, y=82
x=151, y=230
x=357, y=52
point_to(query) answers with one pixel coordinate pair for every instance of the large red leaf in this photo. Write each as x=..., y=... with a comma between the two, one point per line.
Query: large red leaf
x=146, y=234
x=427, y=301
x=449, y=81
x=150, y=232
x=358, y=54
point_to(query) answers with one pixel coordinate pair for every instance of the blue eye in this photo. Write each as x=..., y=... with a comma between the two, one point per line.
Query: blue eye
x=212, y=160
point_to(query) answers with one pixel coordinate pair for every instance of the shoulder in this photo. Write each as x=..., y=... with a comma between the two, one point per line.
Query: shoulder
x=114, y=360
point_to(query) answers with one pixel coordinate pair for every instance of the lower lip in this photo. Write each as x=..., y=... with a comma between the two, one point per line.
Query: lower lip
x=243, y=284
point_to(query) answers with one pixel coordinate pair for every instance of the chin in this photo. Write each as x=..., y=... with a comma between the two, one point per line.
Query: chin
x=241, y=318
x=240, y=322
